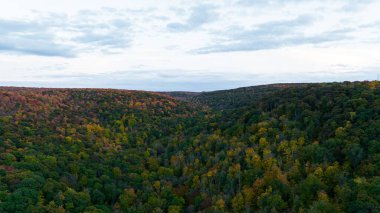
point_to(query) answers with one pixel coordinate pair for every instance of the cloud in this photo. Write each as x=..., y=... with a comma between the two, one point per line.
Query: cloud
x=153, y=80
x=272, y=35
x=197, y=81
x=112, y=34
x=9, y=26
x=164, y=41
x=199, y=16
x=271, y=3
x=32, y=38
x=255, y=2
x=348, y=6
x=61, y=36
x=34, y=45
x=354, y=5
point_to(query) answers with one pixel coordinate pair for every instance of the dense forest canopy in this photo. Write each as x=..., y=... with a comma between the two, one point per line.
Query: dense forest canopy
x=273, y=148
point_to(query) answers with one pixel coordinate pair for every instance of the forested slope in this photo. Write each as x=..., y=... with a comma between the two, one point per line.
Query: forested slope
x=235, y=98
x=275, y=148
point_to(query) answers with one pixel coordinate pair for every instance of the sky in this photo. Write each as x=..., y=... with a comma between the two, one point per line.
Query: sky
x=196, y=45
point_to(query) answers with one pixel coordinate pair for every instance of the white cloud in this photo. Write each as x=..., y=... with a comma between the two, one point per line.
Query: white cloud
x=243, y=42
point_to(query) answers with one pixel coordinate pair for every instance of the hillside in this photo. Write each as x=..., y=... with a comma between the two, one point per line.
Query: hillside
x=273, y=148
x=234, y=98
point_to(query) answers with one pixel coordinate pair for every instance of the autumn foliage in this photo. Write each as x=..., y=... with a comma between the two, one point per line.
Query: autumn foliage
x=275, y=148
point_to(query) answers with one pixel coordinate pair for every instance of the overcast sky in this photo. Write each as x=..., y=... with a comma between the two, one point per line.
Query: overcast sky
x=187, y=45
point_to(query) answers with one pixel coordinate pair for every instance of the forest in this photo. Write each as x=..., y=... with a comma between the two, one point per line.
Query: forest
x=272, y=148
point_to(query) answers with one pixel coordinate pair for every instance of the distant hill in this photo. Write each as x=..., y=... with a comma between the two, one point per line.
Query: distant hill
x=228, y=99
x=181, y=95
x=270, y=148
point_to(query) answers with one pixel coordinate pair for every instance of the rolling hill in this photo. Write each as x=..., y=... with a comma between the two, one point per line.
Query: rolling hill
x=271, y=148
